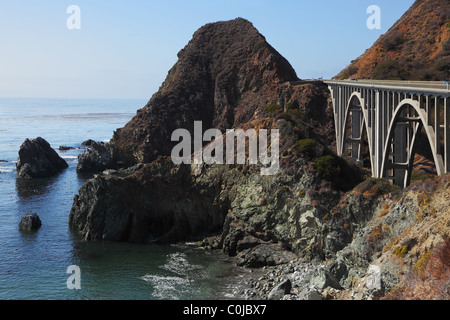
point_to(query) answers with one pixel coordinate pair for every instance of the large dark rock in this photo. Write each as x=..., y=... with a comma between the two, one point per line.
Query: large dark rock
x=280, y=290
x=37, y=159
x=155, y=204
x=30, y=222
x=96, y=158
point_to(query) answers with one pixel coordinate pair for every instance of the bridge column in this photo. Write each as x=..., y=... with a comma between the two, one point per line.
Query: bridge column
x=437, y=125
x=378, y=129
x=446, y=135
x=400, y=152
x=356, y=134
x=341, y=114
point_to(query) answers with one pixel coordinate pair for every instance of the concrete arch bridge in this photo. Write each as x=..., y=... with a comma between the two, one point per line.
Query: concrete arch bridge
x=386, y=117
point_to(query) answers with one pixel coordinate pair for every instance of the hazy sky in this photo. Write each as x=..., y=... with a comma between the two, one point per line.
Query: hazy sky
x=124, y=49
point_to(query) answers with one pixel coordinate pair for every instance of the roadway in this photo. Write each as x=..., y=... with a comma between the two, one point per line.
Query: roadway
x=422, y=86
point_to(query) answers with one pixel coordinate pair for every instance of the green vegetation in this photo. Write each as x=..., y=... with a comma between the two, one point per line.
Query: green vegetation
x=393, y=42
x=273, y=108
x=446, y=46
x=327, y=166
x=420, y=266
x=382, y=186
x=372, y=187
x=307, y=146
x=401, y=251
x=293, y=116
x=291, y=105
x=418, y=176
x=443, y=64
x=387, y=70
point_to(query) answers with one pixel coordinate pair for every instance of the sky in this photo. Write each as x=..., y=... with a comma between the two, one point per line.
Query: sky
x=124, y=49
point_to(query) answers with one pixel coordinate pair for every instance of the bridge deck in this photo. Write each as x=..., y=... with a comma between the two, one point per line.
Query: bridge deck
x=416, y=86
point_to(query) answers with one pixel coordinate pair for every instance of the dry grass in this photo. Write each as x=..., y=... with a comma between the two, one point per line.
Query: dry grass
x=429, y=279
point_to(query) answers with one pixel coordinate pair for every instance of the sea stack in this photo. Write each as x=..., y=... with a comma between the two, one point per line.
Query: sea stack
x=37, y=159
x=30, y=222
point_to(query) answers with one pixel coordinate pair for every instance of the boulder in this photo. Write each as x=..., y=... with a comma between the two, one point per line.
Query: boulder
x=37, y=159
x=96, y=158
x=30, y=222
x=310, y=294
x=264, y=255
x=322, y=279
x=65, y=148
x=280, y=290
x=88, y=143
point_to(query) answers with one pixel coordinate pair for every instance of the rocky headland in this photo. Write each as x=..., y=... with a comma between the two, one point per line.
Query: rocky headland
x=320, y=226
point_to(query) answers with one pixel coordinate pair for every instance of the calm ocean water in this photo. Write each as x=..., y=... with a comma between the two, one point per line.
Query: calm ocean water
x=34, y=266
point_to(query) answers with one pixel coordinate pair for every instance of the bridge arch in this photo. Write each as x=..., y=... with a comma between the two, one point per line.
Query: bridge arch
x=408, y=119
x=356, y=124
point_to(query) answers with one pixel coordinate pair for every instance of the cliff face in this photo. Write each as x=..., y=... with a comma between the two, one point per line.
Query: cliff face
x=417, y=47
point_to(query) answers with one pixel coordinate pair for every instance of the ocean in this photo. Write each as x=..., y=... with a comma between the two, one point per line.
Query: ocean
x=35, y=266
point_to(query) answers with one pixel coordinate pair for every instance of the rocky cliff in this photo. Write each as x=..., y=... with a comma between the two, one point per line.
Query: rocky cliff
x=228, y=77
x=417, y=47
x=379, y=242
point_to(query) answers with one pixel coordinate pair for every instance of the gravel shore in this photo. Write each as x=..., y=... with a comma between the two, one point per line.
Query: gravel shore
x=296, y=280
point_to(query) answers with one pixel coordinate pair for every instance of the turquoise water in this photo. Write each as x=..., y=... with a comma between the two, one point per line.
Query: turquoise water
x=34, y=266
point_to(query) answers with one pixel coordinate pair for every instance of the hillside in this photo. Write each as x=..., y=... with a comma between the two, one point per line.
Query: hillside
x=417, y=47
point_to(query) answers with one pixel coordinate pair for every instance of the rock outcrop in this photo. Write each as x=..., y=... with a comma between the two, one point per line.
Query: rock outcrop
x=97, y=157
x=228, y=77
x=393, y=244
x=37, y=159
x=30, y=222
x=156, y=204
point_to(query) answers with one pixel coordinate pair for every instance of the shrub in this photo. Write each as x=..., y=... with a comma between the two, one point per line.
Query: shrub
x=386, y=70
x=401, y=251
x=307, y=146
x=442, y=64
x=327, y=166
x=272, y=108
x=393, y=42
x=291, y=105
x=446, y=46
x=417, y=175
x=352, y=70
x=420, y=266
x=293, y=116
x=444, y=253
